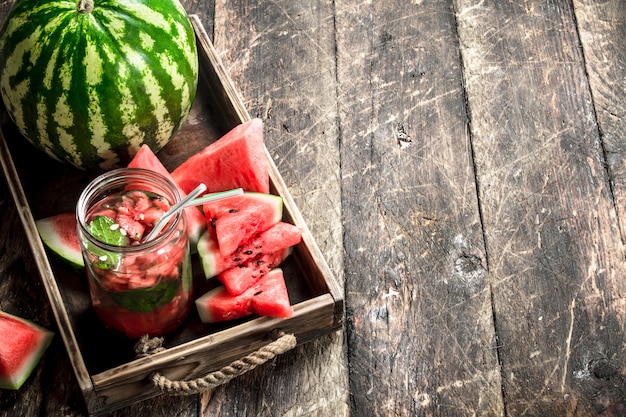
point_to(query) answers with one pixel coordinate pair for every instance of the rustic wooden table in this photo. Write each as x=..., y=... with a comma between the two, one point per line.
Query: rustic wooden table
x=462, y=165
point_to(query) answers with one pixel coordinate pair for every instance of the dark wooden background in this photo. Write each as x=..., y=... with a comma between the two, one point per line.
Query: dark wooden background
x=462, y=166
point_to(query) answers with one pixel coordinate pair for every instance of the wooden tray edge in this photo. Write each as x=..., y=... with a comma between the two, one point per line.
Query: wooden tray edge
x=208, y=51
x=309, y=248
x=43, y=265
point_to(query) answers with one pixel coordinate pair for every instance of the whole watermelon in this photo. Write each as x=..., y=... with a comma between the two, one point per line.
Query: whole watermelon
x=90, y=81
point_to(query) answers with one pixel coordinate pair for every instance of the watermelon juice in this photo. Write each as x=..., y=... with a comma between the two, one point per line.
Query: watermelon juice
x=137, y=287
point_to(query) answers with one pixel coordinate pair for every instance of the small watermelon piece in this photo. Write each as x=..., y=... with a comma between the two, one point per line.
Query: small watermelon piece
x=23, y=345
x=271, y=297
x=237, y=219
x=272, y=241
x=219, y=305
x=209, y=252
x=240, y=278
x=196, y=224
x=59, y=234
x=236, y=160
x=268, y=297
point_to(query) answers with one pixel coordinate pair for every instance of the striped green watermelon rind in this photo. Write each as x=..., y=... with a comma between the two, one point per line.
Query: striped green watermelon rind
x=22, y=347
x=59, y=234
x=218, y=305
x=89, y=88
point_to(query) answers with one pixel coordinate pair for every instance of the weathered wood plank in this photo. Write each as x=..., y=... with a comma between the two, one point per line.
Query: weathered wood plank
x=555, y=256
x=22, y=294
x=602, y=27
x=52, y=390
x=420, y=333
x=420, y=330
x=281, y=57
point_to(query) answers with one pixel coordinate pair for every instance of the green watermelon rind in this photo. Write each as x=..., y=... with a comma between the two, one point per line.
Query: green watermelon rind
x=209, y=254
x=244, y=305
x=50, y=236
x=238, y=310
x=88, y=88
x=14, y=382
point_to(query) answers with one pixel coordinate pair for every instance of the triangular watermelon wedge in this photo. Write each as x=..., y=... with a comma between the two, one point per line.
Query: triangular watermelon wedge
x=196, y=224
x=268, y=297
x=219, y=305
x=271, y=297
x=236, y=160
x=59, y=234
x=274, y=240
x=265, y=252
x=23, y=345
x=237, y=219
x=240, y=278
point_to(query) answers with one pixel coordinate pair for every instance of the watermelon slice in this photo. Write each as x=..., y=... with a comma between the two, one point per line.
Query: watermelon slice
x=196, y=223
x=240, y=278
x=237, y=219
x=268, y=297
x=23, y=345
x=236, y=160
x=270, y=242
x=59, y=234
x=271, y=297
x=218, y=305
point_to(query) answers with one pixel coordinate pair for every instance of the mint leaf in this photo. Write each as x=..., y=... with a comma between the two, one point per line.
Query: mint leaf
x=104, y=229
x=146, y=299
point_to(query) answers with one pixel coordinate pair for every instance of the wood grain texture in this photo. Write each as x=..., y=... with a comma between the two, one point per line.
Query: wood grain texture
x=553, y=245
x=420, y=333
x=24, y=296
x=602, y=27
x=461, y=165
x=281, y=57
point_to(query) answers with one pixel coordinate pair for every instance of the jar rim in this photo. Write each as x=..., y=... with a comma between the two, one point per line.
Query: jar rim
x=114, y=178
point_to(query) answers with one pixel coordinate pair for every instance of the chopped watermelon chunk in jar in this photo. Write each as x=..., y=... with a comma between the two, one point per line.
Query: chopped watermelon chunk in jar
x=137, y=287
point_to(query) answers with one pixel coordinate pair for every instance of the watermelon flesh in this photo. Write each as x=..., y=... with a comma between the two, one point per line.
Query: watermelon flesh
x=271, y=297
x=236, y=160
x=23, y=345
x=268, y=297
x=219, y=305
x=237, y=219
x=242, y=277
x=275, y=239
x=240, y=270
x=59, y=234
x=196, y=223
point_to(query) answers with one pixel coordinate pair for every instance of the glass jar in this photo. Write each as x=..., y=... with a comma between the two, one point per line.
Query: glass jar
x=136, y=287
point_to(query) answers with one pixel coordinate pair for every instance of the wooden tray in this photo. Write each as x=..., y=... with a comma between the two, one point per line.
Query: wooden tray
x=108, y=373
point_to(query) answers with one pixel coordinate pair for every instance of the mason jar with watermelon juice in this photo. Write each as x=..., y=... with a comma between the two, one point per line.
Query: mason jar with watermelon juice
x=137, y=287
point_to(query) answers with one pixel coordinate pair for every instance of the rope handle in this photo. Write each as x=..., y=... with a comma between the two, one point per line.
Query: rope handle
x=283, y=343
